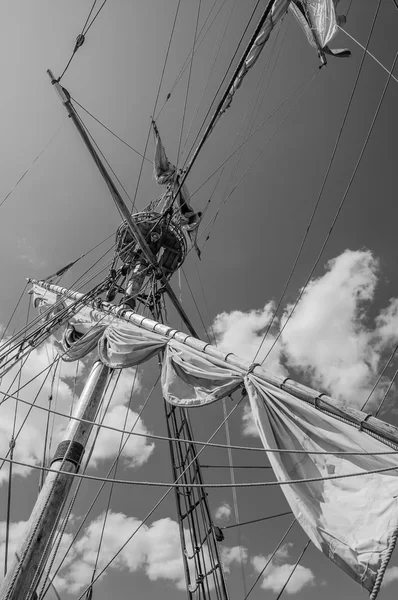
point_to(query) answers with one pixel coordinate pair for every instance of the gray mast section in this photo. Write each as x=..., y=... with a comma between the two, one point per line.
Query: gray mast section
x=134, y=229
x=24, y=575
x=321, y=401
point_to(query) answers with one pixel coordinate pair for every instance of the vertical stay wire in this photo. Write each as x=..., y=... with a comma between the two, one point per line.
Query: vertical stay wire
x=270, y=559
x=158, y=503
x=308, y=81
x=186, y=61
x=31, y=165
x=157, y=99
x=319, y=197
x=68, y=511
x=255, y=105
x=222, y=82
x=380, y=376
x=115, y=471
x=386, y=393
x=293, y=570
x=214, y=61
x=340, y=207
x=84, y=519
x=188, y=82
x=234, y=494
x=4, y=332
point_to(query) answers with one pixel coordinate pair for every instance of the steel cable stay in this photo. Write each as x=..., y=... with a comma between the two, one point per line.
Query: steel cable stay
x=46, y=312
x=184, y=110
x=323, y=185
x=30, y=166
x=187, y=167
x=270, y=559
x=293, y=570
x=114, y=475
x=253, y=114
x=46, y=555
x=48, y=369
x=214, y=60
x=171, y=485
x=309, y=79
x=104, y=157
x=211, y=222
x=188, y=58
x=81, y=37
x=106, y=480
x=10, y=473
x=60, y=532
x=206, y=444
x=250, y=125
x=337, y=214
x=149, y=514
x=157, y=99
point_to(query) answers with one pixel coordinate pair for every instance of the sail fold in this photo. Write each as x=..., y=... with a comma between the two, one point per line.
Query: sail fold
x=349, y=511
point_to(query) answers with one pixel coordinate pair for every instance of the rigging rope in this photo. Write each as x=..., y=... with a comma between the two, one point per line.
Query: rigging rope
x=81, y=37
x=337, y=213
x=215, y=57
x=156, y=99
x=184, y=111
x=368, y=52
x=150, y=513
x=110, y=131
x=270, y=559
x=106, y=480
x=30, y=166
x=186, y=62
x=380, y=376
x=214, y=445
x=293, y=570
x=172, y=485
x=318, y=200
x=257, y=520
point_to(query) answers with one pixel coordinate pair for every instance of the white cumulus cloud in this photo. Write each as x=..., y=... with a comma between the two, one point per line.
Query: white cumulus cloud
x=223, y=511
x=29, y=446
x=330, y=338
x=278, y=571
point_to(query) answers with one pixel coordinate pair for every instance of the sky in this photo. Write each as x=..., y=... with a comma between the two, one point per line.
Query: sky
x=344, y=327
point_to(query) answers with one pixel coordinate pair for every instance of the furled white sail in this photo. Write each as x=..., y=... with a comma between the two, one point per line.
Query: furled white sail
x=347, y=508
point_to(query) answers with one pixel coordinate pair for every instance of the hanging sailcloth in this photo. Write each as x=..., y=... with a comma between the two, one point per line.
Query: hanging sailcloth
x=317, y=18
x=320, y=23
x=347, y=503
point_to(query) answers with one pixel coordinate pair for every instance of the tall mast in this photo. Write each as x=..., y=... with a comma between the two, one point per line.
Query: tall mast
x=121, y=205
x=25, y=573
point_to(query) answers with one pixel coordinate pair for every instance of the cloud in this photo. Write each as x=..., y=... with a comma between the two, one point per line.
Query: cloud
x=223, y=511
x=137, y=450
x=236, y=554
x=249, y=426
x=29, y=446
x=278, y=571
x=154, y=550
x=390, y=575
x=243, y=333
x=330, y=338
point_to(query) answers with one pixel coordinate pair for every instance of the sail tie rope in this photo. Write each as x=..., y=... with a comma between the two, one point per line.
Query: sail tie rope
x=383, y=566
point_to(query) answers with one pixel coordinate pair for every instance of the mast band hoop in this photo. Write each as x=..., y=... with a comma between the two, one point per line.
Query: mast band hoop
x=69, y=450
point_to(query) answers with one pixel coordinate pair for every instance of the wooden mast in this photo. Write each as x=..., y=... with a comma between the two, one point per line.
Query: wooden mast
x=24, y=575
x=124, y=211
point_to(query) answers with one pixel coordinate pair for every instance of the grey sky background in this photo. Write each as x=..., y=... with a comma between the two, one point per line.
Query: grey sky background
x=61, y=209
